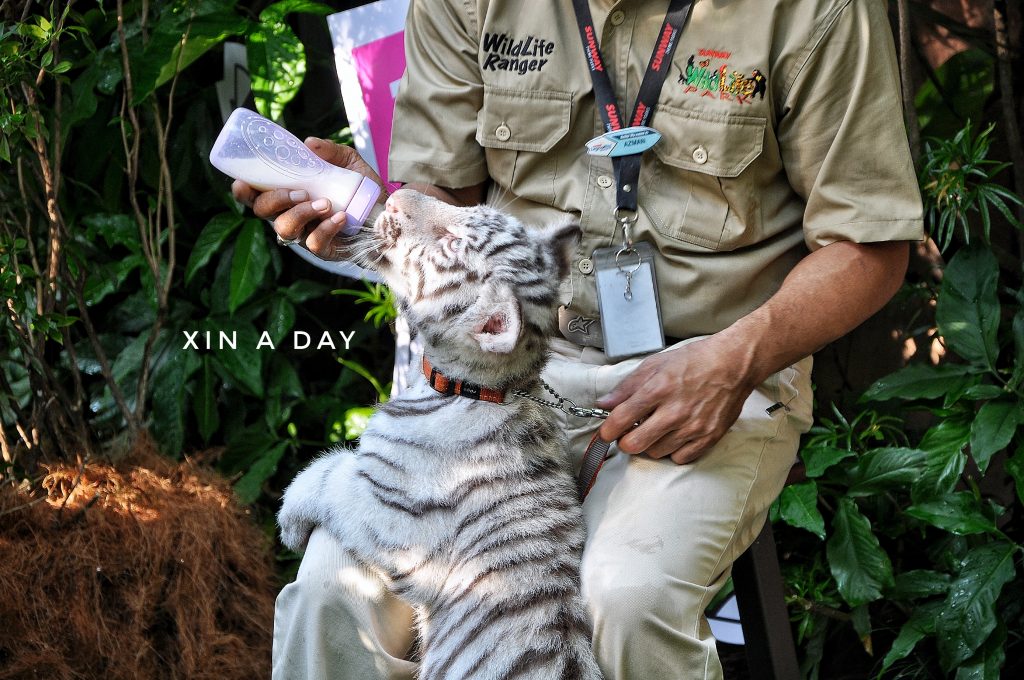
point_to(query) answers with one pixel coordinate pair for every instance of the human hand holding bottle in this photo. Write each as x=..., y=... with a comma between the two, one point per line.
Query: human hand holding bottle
x=268, y=158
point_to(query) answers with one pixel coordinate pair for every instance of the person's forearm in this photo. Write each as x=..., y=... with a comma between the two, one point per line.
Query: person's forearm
x=828, y=294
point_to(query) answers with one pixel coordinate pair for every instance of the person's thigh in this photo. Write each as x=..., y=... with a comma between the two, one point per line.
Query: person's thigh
x=661, y=537
x=337, y=621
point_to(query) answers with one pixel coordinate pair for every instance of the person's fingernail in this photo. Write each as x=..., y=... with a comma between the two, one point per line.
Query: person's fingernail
x=338, y=217
x=298, y=196
x=321, y=204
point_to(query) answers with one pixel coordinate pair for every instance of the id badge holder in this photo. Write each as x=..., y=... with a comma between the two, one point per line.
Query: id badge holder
x=627, y=295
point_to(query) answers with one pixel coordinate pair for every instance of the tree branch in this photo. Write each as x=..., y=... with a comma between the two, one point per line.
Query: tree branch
x=907, y=81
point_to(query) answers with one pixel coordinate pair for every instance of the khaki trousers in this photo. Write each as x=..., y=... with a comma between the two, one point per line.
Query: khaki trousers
x=661, y=539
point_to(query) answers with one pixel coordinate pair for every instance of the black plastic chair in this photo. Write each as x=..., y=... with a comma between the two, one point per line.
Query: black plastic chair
x=768, y=641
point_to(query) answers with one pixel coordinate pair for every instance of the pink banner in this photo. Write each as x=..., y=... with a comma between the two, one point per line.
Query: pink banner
x=379, y=66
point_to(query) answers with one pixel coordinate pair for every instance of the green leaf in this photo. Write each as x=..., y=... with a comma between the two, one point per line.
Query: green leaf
x=1015, y=466
x=242, y=365
x=919, y=583
x=976, y=392
x=204, y=403
x=941, y=475
x=209, y=242
x=177, y=41
x=993, y=429
x=168, y=399
x=356, y=420
x=798, y=507
x=861, y=568
x=279, y=10
x=920, y=625
x=115, y=230
x=959, y=513
x=106, y=278
x=988, y=661
x=283, y=389
x=82, y=102
x=248, y=264
x=968, y=615
x=245, y=446
x=860, y=617
x=946, y=460
x=818, y=459
x=249, y=487
x=277, y=66
x=304, y=290
x=277, y=59
x=1018, y=344
x=359, y=369
x=958, y=92
x=125, y=368
x=968, y=309
x=280, y=318
x=33, y=31
x=285, y=378
x=919, y=381
x=884, y=469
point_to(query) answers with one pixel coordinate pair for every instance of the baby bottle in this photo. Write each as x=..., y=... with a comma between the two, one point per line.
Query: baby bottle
x=266, y=156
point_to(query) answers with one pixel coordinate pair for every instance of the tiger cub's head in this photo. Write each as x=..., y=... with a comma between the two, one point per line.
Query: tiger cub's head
x=478, y=285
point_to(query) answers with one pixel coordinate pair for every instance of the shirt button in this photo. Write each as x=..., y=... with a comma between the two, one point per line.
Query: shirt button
x=586, y=265
x=503, y=133
x=700, y=155
x=604, y=181
x=617, y=17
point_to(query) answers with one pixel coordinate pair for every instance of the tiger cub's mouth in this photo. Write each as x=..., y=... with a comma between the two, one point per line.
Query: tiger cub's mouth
x=388, y=229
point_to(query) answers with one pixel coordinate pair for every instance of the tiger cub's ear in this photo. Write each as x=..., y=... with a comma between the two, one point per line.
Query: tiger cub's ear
x=500, y=320
x=562, y=238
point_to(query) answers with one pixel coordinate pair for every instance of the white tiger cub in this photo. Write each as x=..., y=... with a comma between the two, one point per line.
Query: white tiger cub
x=466, y=508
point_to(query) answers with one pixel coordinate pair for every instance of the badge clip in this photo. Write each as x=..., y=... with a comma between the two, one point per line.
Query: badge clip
x=624, y=142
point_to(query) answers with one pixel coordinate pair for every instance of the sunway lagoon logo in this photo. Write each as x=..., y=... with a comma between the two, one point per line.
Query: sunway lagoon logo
x=721, y=82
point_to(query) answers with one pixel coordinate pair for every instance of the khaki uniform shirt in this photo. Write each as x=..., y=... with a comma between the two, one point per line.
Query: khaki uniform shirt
x=781, y=120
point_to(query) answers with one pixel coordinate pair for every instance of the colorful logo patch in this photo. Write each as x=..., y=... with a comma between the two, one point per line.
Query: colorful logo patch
x=711, y=77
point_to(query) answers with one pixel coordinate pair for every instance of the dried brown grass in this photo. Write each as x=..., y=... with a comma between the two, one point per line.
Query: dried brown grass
x=141, y=570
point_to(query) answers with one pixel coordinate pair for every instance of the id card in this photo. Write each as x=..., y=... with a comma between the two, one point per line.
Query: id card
x=627, y=295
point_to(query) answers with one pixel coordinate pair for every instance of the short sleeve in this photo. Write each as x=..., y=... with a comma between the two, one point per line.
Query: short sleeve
x=433, y=139
x=842, y=136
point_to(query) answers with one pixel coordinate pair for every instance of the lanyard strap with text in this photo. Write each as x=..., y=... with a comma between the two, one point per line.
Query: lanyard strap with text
x=627, y=167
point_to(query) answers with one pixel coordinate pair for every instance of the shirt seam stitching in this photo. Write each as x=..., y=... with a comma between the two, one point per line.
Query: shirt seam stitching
x=890, y=221
x=471, y=15
x=817, y=38
x=438, y=167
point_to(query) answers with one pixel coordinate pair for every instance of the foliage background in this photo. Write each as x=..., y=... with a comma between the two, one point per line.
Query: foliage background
x=902, y=542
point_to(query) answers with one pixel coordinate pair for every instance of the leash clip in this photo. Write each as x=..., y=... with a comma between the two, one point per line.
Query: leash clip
x=626, y=219
x=581, y=412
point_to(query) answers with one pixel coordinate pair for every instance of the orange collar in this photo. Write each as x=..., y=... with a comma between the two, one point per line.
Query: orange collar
x=457, y=386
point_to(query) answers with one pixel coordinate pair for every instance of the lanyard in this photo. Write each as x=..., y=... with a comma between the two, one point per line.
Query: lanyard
x=627, y=168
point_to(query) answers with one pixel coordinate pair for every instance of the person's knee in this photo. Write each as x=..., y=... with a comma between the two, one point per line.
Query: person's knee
x=628, y=600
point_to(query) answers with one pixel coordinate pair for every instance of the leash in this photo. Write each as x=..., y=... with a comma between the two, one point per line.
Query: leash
x=597, y=449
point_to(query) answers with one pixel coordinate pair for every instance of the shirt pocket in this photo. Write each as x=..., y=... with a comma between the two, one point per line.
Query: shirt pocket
x=518, y=130
x=699, y=184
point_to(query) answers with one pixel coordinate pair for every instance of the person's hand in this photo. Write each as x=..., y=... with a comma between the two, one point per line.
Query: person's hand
x=685, y=400
x=315, y=224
